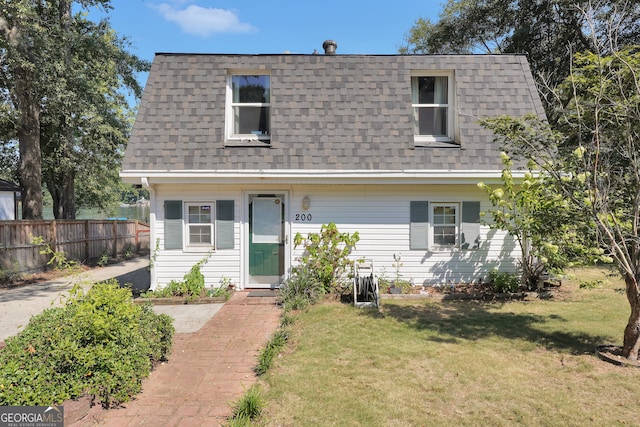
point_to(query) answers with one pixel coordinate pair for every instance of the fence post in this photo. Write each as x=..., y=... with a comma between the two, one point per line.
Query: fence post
x=54, y=236
x=115, y=238
x=86, y=240
x=137, y=240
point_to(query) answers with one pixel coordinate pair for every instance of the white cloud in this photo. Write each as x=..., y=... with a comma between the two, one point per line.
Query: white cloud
x=204, y=21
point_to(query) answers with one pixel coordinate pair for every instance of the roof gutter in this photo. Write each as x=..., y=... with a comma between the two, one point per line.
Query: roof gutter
x=314, y=177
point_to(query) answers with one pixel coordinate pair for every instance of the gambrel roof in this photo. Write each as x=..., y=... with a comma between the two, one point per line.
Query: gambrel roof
x=328, y=113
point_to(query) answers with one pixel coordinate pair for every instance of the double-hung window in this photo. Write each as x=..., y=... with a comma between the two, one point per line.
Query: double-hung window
x=200, y=221
x=249, y=107
x=445, y=224
x=432, y=102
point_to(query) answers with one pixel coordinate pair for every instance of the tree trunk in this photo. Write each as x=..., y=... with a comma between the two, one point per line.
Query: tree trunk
x=69, y=196
x=63, y=194
x=29, y=144
x=631, y=343
x=55, y=198
x=27, y=103
x=66, y=206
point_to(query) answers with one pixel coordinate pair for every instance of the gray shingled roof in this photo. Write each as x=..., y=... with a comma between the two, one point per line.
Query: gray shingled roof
x=328, y=112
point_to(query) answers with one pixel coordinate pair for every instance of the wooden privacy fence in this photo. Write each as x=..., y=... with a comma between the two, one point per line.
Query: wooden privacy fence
x=80, y=240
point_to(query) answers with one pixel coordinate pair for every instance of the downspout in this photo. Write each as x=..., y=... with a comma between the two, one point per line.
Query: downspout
x=152, y=231
x=15, y=205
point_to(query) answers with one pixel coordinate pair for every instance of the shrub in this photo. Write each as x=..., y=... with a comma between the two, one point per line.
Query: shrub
x=504, y=282
x=157, y=330
x=191, y=286
x=104, y=258
x=383, y=285
x=128, y=252
x=301, y=289
x=99, y=342
x=8, y=276
x=327, y=255
x=591, y=284
x=220, y=292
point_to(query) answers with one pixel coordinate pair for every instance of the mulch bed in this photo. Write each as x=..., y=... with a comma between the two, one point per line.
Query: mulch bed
x=16, y=280
x=482, y=291
x=24, y=279
x=181, y=300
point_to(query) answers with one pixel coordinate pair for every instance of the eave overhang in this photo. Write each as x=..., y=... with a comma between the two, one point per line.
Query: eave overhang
x=308, y=177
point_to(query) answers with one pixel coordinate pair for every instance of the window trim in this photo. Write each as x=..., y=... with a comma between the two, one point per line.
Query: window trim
x=230, y=136
x=451, y=122
x=199, y=247
x=432, y=226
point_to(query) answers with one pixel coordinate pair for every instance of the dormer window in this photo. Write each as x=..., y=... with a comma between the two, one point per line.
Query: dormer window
x=249, y=107
x=432, y=102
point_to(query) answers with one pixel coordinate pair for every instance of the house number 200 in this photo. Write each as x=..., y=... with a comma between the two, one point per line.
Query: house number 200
x=303, y=217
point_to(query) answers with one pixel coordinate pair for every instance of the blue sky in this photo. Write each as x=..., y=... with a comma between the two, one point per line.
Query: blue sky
x=267, y=26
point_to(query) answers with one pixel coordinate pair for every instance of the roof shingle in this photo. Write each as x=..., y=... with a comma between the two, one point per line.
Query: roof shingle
x=328, y=112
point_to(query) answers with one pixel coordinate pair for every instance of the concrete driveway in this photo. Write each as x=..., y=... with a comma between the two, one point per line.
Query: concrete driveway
x=17, y=305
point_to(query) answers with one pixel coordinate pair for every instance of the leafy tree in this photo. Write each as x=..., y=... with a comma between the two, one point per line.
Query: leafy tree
x=593, y=160
x=8, y=162
x=8, y=143
x=130, y=194
x=89, y=124
x=21, y=38
x=547, y=31
x=541, y=221
x=78, y=68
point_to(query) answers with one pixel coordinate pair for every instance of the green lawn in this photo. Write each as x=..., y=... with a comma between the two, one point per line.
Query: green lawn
x=422, y=363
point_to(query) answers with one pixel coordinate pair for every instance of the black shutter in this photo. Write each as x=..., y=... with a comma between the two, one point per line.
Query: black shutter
x=224, y=224
x=470, y=229
x=173, y=224
x=419, y=225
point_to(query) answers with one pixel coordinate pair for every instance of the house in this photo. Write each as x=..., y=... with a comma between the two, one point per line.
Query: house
x=241, y=152
x=8, y=200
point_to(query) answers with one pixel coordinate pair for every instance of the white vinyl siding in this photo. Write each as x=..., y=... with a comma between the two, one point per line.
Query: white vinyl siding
x=380, y=213
x=7, y=206
x=173, y=264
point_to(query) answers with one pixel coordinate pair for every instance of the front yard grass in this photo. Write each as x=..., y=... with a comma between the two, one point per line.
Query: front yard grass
x=419, y=362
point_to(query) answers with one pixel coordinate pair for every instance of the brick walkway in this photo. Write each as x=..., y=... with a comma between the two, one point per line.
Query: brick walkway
x=206, y=374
